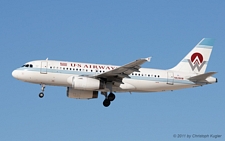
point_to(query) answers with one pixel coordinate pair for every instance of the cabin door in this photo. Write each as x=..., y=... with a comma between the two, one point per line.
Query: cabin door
x=44, y=66
x=170, y=78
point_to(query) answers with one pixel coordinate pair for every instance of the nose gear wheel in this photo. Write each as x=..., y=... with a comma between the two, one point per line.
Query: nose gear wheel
x=41, y=94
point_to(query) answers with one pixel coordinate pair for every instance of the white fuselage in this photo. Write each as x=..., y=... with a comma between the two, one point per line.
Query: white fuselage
x=85, y=80
x=57, y=73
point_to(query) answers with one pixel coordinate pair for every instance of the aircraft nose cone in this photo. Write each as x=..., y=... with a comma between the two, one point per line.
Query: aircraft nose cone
x=14, y=73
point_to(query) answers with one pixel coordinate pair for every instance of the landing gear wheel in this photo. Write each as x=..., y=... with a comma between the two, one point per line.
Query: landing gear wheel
x=111, y=96
x=106, y=102
x=41, y=95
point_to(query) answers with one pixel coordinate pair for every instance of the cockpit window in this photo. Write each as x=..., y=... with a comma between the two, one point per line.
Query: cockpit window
x=28, y=65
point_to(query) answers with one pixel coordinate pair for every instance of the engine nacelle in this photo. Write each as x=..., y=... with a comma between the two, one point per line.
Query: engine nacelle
x=81, y=94
x=85, y=83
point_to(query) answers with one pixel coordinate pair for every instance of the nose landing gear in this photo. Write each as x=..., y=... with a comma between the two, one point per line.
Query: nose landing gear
x=41, y=94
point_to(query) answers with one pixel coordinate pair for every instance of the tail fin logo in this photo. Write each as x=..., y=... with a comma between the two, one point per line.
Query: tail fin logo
x=196, y=61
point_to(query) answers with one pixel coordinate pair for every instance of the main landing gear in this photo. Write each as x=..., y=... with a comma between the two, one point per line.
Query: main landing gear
x=108, y=98
x=41, y=94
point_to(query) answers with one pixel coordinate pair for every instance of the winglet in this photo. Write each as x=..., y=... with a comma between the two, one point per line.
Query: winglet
x=148, y=59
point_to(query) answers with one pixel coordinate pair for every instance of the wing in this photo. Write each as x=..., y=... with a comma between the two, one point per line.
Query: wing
x=119, y=73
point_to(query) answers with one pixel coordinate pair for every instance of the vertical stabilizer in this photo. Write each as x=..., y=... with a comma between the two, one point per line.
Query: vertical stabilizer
x=197, y=59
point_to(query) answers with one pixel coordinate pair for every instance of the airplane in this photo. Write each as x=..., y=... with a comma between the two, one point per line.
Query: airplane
x=85, y=80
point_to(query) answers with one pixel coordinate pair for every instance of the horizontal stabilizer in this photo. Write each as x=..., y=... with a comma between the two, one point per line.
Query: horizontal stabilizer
x=201, y=77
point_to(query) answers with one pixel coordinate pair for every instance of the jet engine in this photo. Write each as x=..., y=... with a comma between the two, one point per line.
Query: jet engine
x=81, y=94
x=85, y=83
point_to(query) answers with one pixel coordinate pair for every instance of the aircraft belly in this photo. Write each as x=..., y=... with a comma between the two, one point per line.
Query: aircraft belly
x=127, y=86
x=144, y=85
x=153, y=86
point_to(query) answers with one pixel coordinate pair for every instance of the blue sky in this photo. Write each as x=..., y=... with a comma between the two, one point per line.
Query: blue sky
x=109, y=32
